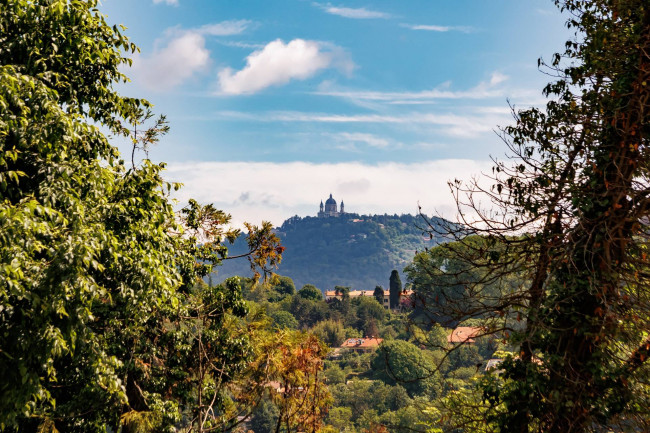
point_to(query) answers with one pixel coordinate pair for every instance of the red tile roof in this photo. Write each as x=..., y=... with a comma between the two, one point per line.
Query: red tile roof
x=464, y=334
x=362, y=343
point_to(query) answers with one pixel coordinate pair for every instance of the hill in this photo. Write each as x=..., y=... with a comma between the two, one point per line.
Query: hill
x=352, y=250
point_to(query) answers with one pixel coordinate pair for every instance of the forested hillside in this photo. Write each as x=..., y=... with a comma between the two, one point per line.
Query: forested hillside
x=353, y=250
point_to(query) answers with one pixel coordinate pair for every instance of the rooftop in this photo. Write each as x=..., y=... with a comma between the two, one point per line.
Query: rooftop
x=362, y=343
x=464, y=334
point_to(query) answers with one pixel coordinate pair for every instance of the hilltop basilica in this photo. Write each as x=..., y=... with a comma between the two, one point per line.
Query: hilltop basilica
x=330, y=209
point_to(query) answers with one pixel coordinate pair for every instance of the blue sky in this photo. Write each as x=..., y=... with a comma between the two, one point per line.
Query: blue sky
x=275, y=104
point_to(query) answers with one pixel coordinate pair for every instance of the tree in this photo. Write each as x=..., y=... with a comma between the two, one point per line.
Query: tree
x=265, y=417
x=99, y=275
x=572, y=222
x=334, y=374
x=294, y=361
x=196, y=359
x=342, y=305
x=284, y=319
x=378, y=294
x=71, y=238
x=370, y=329
x=311, y=292
x=368, y=311
x=307, y=312
x=340, y=417
x=330, y=332
x=395, y=288
x=442, y=277
x=401, y=362
x=283, y=285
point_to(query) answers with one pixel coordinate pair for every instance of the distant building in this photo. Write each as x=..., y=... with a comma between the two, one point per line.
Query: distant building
x=464, y=334
x=362, y=345
x=330, y=209
x=332, y=294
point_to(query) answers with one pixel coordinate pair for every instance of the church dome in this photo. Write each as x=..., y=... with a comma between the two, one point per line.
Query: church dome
x=330, y=200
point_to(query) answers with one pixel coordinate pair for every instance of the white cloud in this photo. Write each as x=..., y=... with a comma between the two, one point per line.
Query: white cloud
x=278, y=63
x=240, y=44
x=258, y=191
x=169, y=2
x=224, y=28
x=183, y=55
x=483, y=90
x=436, y=28
x=171, y=65
x=466, y=125
x=497, y=78
x=354, y=13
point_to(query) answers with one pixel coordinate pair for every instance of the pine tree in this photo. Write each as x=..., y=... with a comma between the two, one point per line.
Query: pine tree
x=395, y=288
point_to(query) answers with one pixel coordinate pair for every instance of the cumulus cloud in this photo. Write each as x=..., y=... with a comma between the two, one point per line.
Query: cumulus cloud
x=171, y=65
x=258, y=191
x=354, y=13
x=278, y=63
x=182, y=54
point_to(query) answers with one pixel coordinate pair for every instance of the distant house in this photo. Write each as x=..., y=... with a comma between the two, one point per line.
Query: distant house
x=332, y=294
x=464, y=334
x=362, y=345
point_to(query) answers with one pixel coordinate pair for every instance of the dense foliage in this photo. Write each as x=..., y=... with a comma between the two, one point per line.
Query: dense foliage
x=104, y=320
x=572, y=224
x=392, y=387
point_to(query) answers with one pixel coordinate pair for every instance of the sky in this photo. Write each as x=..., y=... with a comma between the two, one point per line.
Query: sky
x=273, y=105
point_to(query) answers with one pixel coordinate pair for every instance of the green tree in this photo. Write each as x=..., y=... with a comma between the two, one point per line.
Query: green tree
x=284, y=319
x=311, y=292
x=343, y=305
x=395, y=288
x=283, y=285
x=379, y=294
x=330, y=332
x=573, y=219
x=99, y=275
x=73, y=238
x=339, y=417
x=334, y=374
x=441, y=276
x=368, y=313
x=307, y=312
x=265, y=417
x=401, y=362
